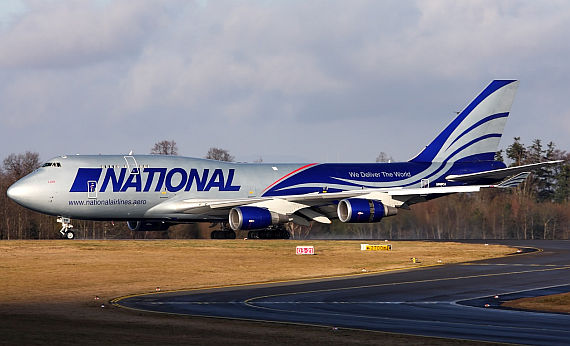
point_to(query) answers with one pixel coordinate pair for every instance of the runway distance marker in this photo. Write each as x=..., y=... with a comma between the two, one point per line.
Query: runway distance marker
x=375, y=247
x=305, y=250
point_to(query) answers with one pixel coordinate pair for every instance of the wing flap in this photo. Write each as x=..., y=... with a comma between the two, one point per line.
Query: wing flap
x=314, y=215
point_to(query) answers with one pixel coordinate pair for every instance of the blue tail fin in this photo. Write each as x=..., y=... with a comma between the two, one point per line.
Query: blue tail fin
x=475, y=133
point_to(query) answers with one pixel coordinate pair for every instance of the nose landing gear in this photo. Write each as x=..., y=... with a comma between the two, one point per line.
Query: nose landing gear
x=66, y=227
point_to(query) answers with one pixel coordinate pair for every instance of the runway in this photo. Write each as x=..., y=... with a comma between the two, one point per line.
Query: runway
x=444, y=301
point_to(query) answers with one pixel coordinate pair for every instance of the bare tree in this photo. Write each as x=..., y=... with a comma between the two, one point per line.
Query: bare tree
x=383, y=157
x=298, y=231
x=16, y=166
x=219, y=154
x=165, y=148
x=17, y=222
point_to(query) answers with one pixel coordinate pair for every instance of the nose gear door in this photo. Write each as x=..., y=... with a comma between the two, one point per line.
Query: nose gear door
x=132, y=166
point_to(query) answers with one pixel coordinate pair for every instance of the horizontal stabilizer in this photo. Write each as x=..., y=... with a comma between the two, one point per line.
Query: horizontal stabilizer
x=498, y=174
x=514, y=181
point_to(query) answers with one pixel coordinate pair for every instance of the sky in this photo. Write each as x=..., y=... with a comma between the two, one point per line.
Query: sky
x=285, y=81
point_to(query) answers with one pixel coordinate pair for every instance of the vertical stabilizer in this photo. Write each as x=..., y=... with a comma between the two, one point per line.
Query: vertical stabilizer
x=475, y=133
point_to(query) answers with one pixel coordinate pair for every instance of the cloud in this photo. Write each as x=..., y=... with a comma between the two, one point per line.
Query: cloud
x=274, y=78
x=63, y=34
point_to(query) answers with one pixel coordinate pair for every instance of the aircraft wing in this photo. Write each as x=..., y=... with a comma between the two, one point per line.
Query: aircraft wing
x=321, y=206
x=498, y=174
x=301, y=209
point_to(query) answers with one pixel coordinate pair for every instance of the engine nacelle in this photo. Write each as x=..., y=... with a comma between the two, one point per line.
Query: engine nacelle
x=141, y=225
x=359, y=210
x=247, y=218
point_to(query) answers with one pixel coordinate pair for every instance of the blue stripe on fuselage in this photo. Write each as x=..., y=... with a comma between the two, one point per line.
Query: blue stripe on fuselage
x=360, y=175
x=324, y=176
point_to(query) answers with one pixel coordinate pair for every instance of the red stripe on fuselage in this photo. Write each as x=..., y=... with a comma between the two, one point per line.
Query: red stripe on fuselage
x=286, y=175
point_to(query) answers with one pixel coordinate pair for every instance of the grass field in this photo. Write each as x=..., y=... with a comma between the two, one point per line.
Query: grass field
x=553, y=303
x=34, y=271
x=48, y=287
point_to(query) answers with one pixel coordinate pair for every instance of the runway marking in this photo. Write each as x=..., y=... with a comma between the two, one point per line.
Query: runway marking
x=303, y=324
x=115, y=301
x=510, y=264
x=369, y=317
x=250, y=301
x=299, y=303
x=433, y=321
x=502, y=297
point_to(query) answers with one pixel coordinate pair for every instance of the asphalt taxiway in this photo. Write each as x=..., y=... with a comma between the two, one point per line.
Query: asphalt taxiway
x=455, y=301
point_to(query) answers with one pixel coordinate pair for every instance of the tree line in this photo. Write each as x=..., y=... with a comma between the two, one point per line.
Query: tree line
x=537, y=209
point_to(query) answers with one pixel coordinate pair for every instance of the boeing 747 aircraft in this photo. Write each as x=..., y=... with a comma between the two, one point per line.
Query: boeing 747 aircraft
x=152, y=192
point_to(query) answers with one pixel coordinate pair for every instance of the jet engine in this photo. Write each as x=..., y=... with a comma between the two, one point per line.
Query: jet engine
x=142, y=225
x=246, y=218
x=359, y=210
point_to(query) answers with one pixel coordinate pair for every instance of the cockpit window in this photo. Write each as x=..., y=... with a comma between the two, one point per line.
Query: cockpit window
x=52, y=164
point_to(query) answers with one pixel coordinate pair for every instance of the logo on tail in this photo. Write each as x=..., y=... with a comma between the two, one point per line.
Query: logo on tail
x=475, y=133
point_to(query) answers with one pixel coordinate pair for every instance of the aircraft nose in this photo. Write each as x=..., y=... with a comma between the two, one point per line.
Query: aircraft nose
x=19, y=192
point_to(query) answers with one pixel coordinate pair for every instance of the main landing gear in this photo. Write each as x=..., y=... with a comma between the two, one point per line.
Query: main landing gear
x=224, y=233
x=274, y=232
x=66, y=227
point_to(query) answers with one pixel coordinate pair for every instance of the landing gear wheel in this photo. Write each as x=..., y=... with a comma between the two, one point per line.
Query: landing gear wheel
x=283, y=234
x=270, y=233
x=223, y=235
x=66, y=227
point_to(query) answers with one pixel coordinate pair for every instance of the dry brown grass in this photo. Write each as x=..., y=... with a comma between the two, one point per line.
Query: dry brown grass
x=48, y=287
x=554, y=303
x=33, y=271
